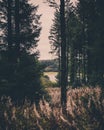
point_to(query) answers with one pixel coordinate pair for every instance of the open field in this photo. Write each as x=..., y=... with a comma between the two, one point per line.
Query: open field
x=51, y=75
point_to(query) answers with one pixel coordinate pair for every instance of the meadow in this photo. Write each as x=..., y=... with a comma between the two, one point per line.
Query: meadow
x=51, y=75
x=85, y=111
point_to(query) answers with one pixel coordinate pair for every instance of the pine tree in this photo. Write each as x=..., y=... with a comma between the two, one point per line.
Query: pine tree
x=55, y=39
x=63, y=56
x=20, y=33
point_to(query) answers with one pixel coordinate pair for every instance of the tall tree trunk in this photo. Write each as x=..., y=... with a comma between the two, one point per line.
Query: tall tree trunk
x=67, y=51
x=63, y=57
x=17, y=30
x=84, y=49
x=72, y=67
x=9, y=30
x=84, y=66
x=10, y=41
x=59, y=67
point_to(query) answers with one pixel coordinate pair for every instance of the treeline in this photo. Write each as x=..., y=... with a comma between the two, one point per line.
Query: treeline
x=20, y=70
x=84, y=41
x=49, y=65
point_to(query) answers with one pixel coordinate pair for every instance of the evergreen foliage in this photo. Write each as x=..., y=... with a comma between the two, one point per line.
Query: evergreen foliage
x=20, y=71
x=84, y=37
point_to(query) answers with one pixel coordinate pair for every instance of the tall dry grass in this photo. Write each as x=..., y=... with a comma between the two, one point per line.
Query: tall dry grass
x=85, y=111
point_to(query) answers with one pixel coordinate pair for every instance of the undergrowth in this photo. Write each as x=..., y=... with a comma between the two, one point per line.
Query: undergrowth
x=85, y=111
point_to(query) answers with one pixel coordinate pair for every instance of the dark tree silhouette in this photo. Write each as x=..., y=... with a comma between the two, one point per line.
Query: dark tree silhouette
x=9, y=28
x=20, y=70
x=17, y=30
x=63, y=56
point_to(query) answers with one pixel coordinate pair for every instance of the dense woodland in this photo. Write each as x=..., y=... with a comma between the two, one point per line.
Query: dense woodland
x=84, y=41
x=77, y=38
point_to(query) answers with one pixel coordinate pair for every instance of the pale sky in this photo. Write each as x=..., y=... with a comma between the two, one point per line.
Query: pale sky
x=46, y=20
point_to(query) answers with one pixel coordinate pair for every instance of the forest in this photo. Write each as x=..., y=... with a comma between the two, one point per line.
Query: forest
x=28, y=99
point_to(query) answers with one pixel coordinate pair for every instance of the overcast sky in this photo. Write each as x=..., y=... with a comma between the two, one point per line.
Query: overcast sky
x=46, y=20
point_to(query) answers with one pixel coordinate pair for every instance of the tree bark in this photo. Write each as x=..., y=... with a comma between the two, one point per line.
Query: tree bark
x=17, y=31
x=63, y=57
x=9, y=30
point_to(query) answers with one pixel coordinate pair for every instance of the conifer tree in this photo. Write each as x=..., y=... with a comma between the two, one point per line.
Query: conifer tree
x=20, y=70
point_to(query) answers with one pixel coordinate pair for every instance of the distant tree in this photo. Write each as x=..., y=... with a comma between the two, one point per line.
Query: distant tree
x=55, y=39
x=55, y=36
